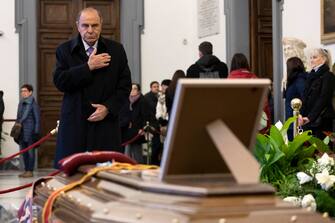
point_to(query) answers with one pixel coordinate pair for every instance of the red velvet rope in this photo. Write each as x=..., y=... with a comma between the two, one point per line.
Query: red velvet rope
x=32, y=146
x=25, y=185
x=139, y=134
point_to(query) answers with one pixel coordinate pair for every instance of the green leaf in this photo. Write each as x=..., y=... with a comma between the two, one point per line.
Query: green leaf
x=275, y=152
x=305, y=164
x=297, y=143
x=320, y=145
x=307, y=152
x=325, y=202
x=287, y=124
x=261, y=148
x=326, y=140
x=276, y=136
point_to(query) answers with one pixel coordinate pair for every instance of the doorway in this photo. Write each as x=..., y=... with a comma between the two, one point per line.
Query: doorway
x=261, y=46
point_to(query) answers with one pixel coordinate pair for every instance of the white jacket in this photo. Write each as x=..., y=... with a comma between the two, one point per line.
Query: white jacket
x=161, y=111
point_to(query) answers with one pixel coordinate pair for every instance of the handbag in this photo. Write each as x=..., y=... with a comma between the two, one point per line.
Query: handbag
x=16, y=131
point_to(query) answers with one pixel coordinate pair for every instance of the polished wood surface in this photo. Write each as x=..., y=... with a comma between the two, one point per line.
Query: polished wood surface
x=109, y=199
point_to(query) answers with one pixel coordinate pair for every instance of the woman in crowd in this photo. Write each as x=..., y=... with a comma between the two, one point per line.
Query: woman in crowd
x=28, y=115
x=317, y=110
x=240, y=69
x=170, y=91
x=295, y=84
x=137, y=111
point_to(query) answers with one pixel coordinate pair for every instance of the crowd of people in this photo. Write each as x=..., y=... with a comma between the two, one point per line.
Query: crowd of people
x=102, y=108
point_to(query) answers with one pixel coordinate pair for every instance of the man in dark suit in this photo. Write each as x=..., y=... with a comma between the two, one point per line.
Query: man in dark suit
x=152, y=96
x=94, y=75
x=208, y=65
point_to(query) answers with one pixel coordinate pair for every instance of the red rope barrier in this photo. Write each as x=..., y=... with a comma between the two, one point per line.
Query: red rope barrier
x=25, y=185
x=32, y=146
x=139, y=134
x=53, y=173
x=46, y=137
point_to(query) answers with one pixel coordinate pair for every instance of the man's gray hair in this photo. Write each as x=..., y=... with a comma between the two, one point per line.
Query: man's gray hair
x=88, y=9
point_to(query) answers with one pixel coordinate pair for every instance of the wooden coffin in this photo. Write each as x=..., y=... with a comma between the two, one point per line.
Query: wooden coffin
x=138, y=196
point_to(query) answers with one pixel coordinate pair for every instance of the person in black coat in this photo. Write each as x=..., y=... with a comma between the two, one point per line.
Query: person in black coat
x=208, y=66
x=94, y=75
x=295, y=85
x=171, y=90
x=317, y=110
x=152, y=96
x=137, y=110
x=28, y=115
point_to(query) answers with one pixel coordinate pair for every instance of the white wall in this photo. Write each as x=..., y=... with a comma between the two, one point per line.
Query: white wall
x=9, y=64
x=302, y=19
x=167, y=24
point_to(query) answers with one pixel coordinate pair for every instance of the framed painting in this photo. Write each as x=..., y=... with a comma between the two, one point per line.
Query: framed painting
x=327, y=21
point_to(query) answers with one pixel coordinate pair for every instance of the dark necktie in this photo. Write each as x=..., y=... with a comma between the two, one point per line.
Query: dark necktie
x=90, y=50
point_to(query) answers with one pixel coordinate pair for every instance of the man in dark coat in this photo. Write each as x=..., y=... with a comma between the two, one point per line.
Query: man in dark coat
x=151, y=101
x=208, y=66
x=152, y=96
x=94, y=75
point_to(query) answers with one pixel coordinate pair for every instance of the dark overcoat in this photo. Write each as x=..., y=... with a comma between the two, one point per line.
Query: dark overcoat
x=109, y=86
x=294, y=90
x=28, y=114
x=137, y=117
x=317, y=101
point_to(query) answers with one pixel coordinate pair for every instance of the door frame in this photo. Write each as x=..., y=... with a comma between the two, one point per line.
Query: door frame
x=131, y=25
x=233, y=45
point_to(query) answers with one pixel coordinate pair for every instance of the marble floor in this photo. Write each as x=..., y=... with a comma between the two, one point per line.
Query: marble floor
x=10, y=202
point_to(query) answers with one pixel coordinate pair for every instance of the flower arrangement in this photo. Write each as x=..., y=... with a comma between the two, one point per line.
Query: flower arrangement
x=301, y=170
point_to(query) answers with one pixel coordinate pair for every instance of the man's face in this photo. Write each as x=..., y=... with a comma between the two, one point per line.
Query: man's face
x=25, y=93
x=155, y=88
x=89, y=26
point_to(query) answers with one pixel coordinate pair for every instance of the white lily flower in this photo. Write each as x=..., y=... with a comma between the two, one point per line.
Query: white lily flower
x=326, y=160
x=296, y=201
x=303, y=178
x=325, y=180
x=308, y=201
x=279, y=125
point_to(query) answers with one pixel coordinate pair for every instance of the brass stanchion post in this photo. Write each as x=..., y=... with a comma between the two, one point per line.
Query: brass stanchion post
x=296, y=104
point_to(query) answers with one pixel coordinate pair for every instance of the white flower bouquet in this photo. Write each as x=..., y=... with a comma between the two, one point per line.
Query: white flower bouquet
x=302, y=170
